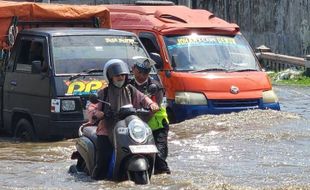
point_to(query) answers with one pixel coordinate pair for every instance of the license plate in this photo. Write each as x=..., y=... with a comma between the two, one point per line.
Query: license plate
x=138, y=149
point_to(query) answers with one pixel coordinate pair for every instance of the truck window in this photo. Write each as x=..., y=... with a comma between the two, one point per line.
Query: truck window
x=30, y=51
x=22, y=57
x=150, y=43
x=75, y=54
x=209, y=52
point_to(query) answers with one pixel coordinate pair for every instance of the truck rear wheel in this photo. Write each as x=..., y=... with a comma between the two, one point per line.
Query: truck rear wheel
x=24, y=131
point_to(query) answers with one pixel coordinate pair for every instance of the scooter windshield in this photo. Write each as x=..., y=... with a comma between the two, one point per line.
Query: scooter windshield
x=77, y=54
x=205, y=53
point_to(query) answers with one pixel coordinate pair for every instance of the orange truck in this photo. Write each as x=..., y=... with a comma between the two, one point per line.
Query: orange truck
x=205, y=64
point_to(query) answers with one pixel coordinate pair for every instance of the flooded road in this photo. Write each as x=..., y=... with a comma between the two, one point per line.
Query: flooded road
x=256, y=149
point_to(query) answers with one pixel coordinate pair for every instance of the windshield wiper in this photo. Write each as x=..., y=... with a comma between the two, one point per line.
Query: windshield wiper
x=83, y=73
x=209, y=69
x=243, y=70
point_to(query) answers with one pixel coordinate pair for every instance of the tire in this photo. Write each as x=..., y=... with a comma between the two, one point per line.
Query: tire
x=81, y=166
x=24, y=131
x=139, y=177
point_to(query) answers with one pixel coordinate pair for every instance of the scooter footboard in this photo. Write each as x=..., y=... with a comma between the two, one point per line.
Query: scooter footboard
x=87, y=150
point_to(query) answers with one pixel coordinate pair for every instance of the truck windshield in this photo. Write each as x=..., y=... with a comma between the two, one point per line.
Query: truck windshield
x=75, y=54
x=199, y=53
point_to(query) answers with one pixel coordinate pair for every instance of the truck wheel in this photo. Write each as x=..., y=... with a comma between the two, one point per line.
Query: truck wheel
x=24, y=131
x=139, y=177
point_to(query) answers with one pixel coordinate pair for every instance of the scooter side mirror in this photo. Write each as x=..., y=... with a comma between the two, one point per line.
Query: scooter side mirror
x=152, y=89
x=93, y=98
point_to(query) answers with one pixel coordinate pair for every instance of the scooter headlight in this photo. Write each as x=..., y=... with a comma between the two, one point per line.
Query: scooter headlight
x=137, y=130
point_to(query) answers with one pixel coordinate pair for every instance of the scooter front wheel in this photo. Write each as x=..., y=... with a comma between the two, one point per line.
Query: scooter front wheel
x=139, y=177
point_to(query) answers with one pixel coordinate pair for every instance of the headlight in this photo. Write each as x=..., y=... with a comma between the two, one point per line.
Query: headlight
x=137, y=130
x=270, y=97
x=67, y=105
x=191, y=98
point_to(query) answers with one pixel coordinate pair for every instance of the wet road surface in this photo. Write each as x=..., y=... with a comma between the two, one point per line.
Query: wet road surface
x=256, y=149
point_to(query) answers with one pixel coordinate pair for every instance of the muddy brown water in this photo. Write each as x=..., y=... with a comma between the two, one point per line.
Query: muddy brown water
x=256, y=149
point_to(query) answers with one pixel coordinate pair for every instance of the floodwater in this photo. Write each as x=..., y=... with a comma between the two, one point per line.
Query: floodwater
x=257, y=149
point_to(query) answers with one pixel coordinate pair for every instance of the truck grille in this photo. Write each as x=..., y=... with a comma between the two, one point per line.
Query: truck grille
x=248, y=103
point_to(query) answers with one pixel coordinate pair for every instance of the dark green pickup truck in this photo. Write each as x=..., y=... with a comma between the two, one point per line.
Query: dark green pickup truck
x=47, y=76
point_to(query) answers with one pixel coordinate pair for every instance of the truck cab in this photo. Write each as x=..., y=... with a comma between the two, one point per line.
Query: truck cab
x=205, y=63
x=49, y=73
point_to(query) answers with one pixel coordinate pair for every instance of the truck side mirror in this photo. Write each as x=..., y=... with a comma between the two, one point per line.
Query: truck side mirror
x=157, y=59
x=173, y=60
x=36, y=67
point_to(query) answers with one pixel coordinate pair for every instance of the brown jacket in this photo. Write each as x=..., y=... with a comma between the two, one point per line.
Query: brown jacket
x=119, y=97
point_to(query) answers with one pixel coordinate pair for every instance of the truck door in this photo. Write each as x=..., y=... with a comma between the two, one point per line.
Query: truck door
x=150, y=43
x=27, y=88
x=153, y=45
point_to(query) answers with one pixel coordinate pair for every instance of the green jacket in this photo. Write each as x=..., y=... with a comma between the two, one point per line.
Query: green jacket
x=156, y=121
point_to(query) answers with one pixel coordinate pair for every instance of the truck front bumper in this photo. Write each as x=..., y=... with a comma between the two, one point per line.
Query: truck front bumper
x=183, y=112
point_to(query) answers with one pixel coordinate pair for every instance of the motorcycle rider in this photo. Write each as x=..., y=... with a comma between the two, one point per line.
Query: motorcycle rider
x=159, y=122
x=118, y=93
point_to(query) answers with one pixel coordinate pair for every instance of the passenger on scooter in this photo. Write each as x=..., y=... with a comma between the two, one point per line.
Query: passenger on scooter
x=118, y=93
x=159, y=122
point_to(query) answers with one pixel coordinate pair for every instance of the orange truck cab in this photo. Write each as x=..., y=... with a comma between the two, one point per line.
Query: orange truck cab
x=205, y=64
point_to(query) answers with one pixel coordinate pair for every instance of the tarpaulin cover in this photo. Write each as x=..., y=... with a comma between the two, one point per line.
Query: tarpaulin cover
x=28, y=11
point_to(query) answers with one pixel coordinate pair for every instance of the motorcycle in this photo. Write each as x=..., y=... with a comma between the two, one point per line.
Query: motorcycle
x=134, y=150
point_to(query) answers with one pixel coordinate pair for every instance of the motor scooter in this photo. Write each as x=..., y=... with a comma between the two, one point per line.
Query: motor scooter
x=134, y=151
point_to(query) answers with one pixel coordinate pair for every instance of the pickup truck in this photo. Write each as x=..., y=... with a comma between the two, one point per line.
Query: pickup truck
x=51, y=58
x=47, y=79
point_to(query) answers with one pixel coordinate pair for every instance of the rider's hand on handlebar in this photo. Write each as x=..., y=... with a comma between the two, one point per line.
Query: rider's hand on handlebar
x=154, y=107
x=99, y=114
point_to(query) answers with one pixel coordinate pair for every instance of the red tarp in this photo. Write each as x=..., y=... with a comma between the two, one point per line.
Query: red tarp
x=27, y=11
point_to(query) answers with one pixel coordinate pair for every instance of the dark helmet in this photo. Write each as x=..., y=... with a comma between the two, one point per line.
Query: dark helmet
x=115, y=67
